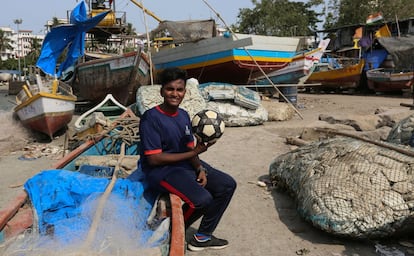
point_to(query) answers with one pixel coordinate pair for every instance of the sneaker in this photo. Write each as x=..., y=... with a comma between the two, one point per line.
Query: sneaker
x=213, y=243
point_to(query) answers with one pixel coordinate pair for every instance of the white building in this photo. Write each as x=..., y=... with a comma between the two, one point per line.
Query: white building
x=21, y=43
x=8, y=53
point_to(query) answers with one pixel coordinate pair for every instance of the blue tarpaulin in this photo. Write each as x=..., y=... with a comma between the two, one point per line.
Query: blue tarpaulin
x=374, y=58
x=65, y=203
x=71, y=36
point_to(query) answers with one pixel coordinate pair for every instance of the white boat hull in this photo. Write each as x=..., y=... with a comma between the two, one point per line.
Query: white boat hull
x=46, y=113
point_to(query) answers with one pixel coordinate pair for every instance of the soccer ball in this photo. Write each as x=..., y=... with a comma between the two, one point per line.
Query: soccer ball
x=208, y=125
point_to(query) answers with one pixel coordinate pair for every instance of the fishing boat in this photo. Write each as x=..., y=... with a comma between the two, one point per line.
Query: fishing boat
x=45, y=107
x=91, y=203
x=92, y=80
x=337, y=76
x=301, y=66
x=217, y=58
x=388, y=80
x=119, y=75
x=99, y=116
x=400, y=76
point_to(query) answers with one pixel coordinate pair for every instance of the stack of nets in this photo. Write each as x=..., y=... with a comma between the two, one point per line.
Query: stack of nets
x=402, y=132
x=349, y=187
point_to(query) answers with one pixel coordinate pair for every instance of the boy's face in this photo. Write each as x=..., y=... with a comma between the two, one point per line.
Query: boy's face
x=173, y=92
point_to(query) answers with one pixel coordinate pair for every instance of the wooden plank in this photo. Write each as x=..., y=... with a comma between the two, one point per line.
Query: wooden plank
x=406, y=105
x=10, y=210
x=17, y=225
x=177, y=246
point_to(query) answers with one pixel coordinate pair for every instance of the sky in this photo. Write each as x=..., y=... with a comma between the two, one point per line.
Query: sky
x=35, y=13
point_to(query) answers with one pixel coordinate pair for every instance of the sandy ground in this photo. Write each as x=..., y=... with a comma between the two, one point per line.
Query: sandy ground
x=258, y=221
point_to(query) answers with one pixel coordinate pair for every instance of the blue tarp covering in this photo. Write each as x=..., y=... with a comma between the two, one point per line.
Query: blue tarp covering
x=61, y=37
x=374, y=58
x=65, y=203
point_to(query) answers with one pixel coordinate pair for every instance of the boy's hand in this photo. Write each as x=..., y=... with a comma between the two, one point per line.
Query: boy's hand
x=202, y=178
x=202, y=146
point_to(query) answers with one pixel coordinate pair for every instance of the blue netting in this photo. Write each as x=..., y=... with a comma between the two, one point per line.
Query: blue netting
x=65, y=203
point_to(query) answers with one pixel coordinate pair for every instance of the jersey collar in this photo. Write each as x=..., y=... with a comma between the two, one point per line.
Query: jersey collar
x=166, y=113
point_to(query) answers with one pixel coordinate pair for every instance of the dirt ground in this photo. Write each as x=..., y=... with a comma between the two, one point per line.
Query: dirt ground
x=258, y=221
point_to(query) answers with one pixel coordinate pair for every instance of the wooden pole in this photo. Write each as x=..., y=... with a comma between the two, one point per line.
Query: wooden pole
x=102, y=201
x=378, y=143
x=144, y=10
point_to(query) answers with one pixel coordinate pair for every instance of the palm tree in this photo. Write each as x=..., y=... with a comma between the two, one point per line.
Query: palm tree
x=130, y=30
x=55, y=22
x=34, y=53
x=4, y=42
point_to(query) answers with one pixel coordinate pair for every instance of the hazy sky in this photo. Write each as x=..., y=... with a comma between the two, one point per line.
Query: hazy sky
x=35, y=13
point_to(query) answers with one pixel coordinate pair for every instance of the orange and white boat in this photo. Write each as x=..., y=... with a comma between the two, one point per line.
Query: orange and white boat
x=45, y=107
x=217, y=58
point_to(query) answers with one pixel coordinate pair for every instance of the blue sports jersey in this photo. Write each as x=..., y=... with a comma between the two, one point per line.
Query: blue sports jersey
x=164, y=132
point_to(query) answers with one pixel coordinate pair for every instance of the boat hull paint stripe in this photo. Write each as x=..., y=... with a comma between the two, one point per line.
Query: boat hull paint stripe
x=230, y=55
x=45, y=95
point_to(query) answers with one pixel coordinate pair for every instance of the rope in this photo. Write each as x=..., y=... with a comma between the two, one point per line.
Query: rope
x=125, y=130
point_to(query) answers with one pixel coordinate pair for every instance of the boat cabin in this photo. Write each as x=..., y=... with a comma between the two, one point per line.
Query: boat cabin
x=113, y=23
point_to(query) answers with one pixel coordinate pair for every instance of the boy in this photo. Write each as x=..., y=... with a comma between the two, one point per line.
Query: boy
x=171, y=163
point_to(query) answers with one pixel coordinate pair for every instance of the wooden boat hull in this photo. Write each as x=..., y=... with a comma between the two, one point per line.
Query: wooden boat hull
x=119, y=76
x=18, y=216
x=347, y=77
x=301, y=65
x=228, y=59
x=46, y=113
x=226, y=72
x=292, y=73
x=388, y=80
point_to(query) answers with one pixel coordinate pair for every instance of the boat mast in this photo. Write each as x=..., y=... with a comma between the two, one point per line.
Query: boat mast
x=146, y=11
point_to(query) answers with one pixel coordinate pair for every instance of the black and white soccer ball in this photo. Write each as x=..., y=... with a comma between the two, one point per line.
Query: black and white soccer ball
x=208, y=125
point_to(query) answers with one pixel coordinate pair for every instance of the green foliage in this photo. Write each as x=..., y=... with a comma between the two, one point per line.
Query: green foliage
x=11, y=64
x=279, y=18
x=130, y=30
x=349, y=12
x=34, y=53
x=290, y=18
x=55, y=22
x=4, y=42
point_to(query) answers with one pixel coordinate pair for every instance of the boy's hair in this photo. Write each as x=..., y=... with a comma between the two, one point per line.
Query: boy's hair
x=170, y=74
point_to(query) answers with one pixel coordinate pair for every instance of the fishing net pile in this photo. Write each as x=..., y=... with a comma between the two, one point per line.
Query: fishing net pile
x=186, y=31
x=65, y=204
x=349, y=187
x=402, y=132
